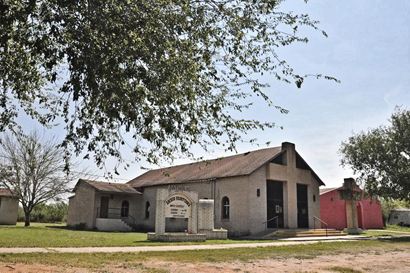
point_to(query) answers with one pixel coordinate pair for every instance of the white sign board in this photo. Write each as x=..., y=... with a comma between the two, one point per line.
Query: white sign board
x=177, y=206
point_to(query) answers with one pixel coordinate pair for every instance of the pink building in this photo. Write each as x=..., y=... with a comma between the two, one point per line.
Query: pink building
x=333, y=210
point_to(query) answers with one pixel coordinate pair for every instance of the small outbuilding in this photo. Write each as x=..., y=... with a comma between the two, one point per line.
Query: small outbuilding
x=333, y=210
x=9, y=204
x=400, y=217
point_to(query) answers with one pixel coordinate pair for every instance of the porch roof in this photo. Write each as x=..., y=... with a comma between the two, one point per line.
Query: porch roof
x=6, y=193
x=109, y=187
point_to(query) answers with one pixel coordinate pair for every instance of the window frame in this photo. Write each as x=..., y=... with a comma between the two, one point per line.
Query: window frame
x=225, y=208
x=125, y=209
x=147, y=210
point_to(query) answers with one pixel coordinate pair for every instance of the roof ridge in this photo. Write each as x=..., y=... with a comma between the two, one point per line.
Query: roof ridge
x=205, y=160
x=227, y=166
x=105, y=182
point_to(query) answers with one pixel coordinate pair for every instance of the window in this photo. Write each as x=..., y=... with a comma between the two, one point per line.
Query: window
x=147, y=207
x=225, y=208
x=314, y=198
x=125, y=208
x=258, y=192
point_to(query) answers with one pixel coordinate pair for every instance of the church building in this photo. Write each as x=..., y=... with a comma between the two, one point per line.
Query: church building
x=252, y=192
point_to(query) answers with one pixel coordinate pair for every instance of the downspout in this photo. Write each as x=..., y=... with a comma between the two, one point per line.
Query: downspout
x=213, y=196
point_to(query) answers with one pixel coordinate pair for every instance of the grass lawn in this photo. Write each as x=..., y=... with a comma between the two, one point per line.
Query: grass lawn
x=389, y=230
x=398, y=228
x=56, y=235
x=99, y=260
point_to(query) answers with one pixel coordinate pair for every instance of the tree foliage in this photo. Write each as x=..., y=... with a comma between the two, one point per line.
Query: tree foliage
x=47, y=213
x=381, y=157
x=167, y=74
x=389, y=204
x=32, y=170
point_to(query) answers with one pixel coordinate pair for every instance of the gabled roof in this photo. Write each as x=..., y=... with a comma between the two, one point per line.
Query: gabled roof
x=326, y=190
x=6, y=193
x=230, y=166
x=235, y=165
x=108, y=187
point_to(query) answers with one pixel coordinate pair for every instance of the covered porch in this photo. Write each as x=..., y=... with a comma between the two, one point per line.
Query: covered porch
x=117, y=210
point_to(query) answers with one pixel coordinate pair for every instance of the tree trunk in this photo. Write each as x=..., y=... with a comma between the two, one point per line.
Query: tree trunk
x=26, y=219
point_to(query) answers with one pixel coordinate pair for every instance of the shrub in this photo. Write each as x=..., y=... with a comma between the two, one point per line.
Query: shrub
x=47, y=213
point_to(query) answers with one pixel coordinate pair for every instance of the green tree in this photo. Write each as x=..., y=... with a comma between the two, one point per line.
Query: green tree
x=167, y=74
x=381, y=157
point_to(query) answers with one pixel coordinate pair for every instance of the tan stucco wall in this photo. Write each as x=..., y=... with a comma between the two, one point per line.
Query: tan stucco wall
x=257, y=211
x=248, y=212
x=8, y=210
x=291, y=176
x=81, y=207
x=236, y=189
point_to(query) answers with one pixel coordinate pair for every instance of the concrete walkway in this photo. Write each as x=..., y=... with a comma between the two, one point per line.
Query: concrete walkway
x=18, y=250
x=328, y=238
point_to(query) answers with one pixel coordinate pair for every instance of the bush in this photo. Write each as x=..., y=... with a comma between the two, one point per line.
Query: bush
x=47, y=213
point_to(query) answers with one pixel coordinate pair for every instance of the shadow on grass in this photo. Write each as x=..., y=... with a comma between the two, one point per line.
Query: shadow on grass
x=396, y=239
x=59, y=227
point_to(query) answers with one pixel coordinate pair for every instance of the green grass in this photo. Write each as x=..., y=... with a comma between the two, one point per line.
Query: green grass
x=398, y=228
x=56, y=235
x=99, y=260
x=390, y=230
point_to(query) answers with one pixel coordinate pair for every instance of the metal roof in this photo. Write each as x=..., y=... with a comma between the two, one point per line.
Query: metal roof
x=236, y=165
x=326, y=190
x=109, y=187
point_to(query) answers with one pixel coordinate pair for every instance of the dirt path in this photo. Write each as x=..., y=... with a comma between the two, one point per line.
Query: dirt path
x=379, y=262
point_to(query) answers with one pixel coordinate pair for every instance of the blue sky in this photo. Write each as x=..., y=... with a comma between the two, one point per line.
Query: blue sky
x=368, y=50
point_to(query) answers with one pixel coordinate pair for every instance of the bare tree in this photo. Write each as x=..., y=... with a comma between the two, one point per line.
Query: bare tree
x=34, y=169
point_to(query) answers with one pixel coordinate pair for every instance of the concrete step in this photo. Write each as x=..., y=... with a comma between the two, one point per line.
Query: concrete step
x=304, y=233
x=129, y=225
x=108, y=224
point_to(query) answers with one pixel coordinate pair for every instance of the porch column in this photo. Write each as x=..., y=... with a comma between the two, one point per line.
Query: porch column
x=160, y=211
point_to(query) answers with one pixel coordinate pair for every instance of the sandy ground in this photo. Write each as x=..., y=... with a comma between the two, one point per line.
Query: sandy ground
x=380, y=262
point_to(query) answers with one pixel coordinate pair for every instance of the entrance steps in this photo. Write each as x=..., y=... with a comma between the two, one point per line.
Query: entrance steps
x=107, y=224
x=307, y=233
x=287, y=233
